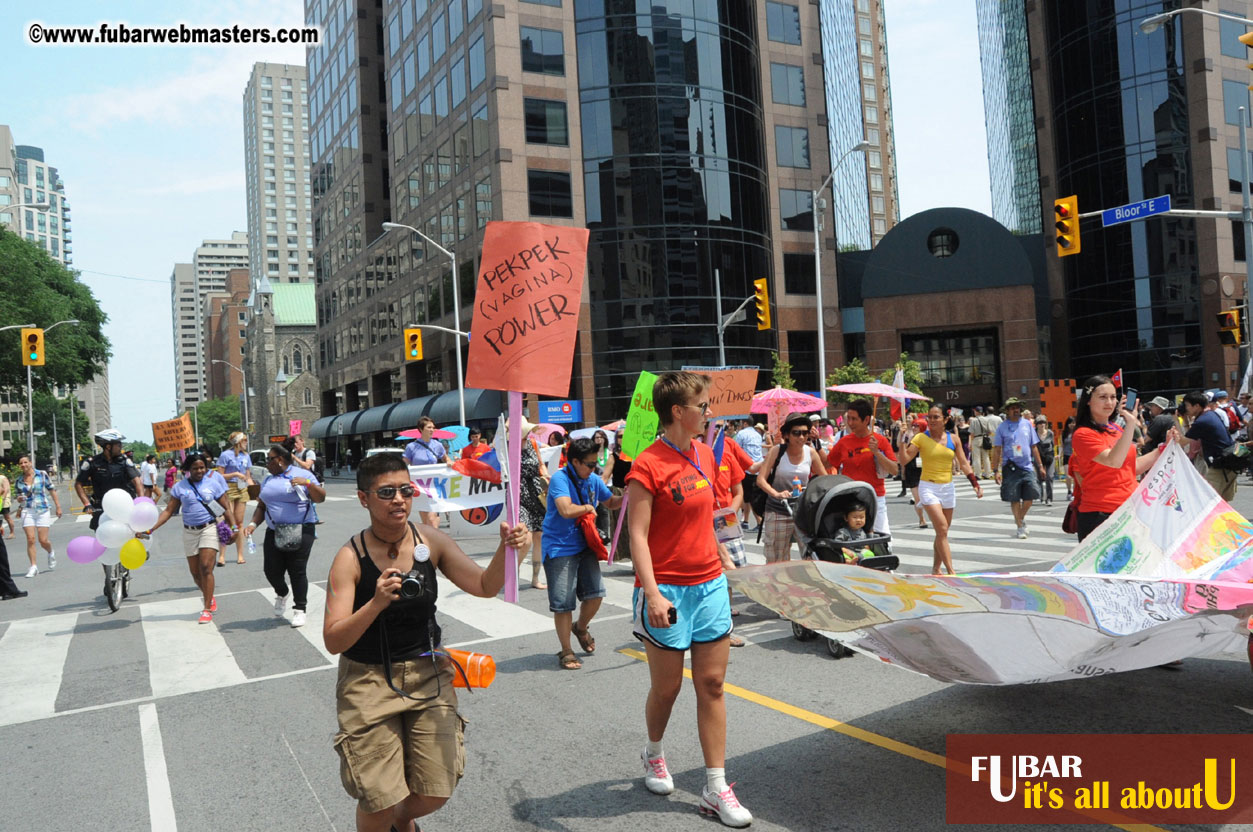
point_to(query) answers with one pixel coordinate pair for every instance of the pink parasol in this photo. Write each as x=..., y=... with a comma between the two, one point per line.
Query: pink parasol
x=613, y=427
x=780, y=399
x=435, y=434
x=546, y=430
x=875, y=388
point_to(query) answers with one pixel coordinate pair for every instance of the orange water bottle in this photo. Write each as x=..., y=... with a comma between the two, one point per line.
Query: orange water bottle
x=480, y=669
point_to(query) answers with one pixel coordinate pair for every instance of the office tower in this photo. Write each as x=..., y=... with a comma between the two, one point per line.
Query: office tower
x=276, y=156
x=1013, y=169
x=185, y=317
x=27, y=179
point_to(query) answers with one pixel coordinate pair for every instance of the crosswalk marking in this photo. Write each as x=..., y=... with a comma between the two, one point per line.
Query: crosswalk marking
x=314, y=618
x=32, y=660
x=489, y=615
x=184, y=655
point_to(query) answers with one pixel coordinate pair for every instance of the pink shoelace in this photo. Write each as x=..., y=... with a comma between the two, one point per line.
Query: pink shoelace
x=728, y=797
x=658, y=765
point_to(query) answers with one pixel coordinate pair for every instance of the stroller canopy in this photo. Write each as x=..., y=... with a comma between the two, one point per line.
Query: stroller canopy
x=820, y=511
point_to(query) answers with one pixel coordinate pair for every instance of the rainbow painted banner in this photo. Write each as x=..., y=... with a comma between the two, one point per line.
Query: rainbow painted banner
x=1166, y=577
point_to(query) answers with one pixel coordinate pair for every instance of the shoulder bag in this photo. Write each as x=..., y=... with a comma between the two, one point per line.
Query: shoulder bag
x=288, y=537
x=759, y=497
x=225, y=532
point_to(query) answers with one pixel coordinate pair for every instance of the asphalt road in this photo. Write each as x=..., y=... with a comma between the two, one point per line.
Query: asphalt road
x=144, y=720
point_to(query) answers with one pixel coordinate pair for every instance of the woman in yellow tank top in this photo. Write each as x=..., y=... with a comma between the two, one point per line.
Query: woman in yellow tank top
x=936, y=494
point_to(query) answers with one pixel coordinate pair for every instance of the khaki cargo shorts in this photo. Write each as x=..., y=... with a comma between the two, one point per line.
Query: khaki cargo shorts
x=389, y=746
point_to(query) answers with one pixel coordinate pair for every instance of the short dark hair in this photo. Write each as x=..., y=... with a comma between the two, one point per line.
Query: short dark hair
x=580, y=449
x=1196, y=397
x=861, y=407
x=283, y=451
x=856, y=505
x=289, y=444
x=373, y=467
x=473, y=431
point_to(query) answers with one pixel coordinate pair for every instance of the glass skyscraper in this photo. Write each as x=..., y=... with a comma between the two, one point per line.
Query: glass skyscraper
x=1010, y=114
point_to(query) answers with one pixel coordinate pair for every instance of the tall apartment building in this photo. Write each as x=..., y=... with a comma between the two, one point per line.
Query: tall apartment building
x=27, y=179
x=859, y=108
x=189, y=285
x=1123, y=115
x=1013, y=167
x=226, y=315
x=93, y=398
x=276, y=157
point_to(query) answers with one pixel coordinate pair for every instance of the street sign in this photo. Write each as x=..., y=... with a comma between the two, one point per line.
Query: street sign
x=565, y=412
x=1135, y=210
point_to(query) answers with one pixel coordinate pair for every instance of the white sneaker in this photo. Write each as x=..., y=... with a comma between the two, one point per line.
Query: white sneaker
x=1021, y=534
x=280, y=605
x=298, y=618
x=725, y=806
x=657, y=777
x=32, y=572
x=52, y=561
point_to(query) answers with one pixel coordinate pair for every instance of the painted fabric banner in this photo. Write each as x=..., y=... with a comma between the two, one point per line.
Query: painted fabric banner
x=1165, y=578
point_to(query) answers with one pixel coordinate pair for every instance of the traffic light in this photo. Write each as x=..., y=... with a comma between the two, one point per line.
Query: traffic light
x=1247, y=40
x=413, y=344
x=761, y=289
x=33, y=347
x=1066, y=211
x=1230, y=328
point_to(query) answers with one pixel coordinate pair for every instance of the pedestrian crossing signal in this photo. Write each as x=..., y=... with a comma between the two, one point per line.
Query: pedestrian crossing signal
x=761, y=290
x=1230, y=328
x=1066, y=221
x=33, y=347
x=413, y=344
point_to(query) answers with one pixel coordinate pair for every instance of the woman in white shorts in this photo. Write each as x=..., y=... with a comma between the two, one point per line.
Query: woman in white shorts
x=38, y=498
x=936, y=494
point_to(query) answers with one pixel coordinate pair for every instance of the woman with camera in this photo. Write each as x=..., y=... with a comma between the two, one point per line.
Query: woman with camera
x=203, y=502
x=400, y=739
x=286, y=505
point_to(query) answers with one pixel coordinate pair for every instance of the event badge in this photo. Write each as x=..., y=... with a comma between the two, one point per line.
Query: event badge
x=726, y=526
x=421, y=553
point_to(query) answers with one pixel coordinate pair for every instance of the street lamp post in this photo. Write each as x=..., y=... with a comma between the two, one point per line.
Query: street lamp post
x=818, y=214
x=456, y=310
x=245, y=388
x=30, y=424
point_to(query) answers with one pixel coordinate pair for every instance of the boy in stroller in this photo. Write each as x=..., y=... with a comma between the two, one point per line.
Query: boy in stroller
x=853, y=530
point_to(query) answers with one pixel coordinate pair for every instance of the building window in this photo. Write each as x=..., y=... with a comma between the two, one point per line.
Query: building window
x=791, y=146
x=1233, y=169
x=543, y=51
x=483, y=201
x=556, y=3
x=1229, y=32
x=868, y=93
x=546, y=122
x=787, y=84
x=796, y=210
x=1235, y=96
x=867, y=48
x=297, y=360
x=876, y=204
x=783, y=22
x=867, y=70
x=478, y=63
x=798, y=274
x=308, y=397
x=549, y=193
x=863, y=25
x=876, y=181
x=942, y=242
x=876, y=159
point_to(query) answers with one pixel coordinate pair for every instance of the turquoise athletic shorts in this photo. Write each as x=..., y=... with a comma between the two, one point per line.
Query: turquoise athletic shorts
x=704, y=615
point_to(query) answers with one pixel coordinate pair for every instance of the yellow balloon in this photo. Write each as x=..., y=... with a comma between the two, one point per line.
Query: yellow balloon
x=133, y=554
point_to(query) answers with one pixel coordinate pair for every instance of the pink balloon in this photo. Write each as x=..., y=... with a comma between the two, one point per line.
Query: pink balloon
x=139, y=500
x=84, y=549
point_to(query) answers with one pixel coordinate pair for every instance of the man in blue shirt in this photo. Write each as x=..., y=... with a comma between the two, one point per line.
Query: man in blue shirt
x=749, y=438
x=1015, y=458
x=1209, y=429
x=572, y=569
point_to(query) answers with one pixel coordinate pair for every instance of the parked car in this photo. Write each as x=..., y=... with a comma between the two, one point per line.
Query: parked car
x=375, y=451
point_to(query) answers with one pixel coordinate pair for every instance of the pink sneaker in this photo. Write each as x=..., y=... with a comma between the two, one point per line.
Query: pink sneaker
x=725, y=806
x=657, y=777
x=206, y=617
x=213, y=604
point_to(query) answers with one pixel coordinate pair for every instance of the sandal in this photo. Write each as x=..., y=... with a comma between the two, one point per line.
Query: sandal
x=736, y=641
x=585, y=639
x=568, y=661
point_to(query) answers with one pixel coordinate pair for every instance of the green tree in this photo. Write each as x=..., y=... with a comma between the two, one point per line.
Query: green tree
x=854, y=372
x=49, y=408
x=219, y=418
x=913, y=381
x=781, y=374
x=38, y=290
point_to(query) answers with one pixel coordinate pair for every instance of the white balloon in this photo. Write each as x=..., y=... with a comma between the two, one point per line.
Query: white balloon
x=113, y=533
x=118, y=504
x=144, y=517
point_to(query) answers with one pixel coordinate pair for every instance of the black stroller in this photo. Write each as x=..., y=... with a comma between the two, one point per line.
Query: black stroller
x=818, y=515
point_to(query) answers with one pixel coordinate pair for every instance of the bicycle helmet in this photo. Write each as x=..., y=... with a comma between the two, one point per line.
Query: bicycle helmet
x=109, y=436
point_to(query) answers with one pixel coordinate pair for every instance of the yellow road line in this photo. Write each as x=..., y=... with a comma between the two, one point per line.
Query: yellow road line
x=886, y=743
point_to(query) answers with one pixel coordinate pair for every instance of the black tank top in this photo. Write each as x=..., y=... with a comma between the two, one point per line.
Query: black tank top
x=408, y=624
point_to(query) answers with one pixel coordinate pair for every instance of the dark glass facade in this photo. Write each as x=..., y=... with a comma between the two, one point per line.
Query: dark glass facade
x=675, y=175
x=1121, y=133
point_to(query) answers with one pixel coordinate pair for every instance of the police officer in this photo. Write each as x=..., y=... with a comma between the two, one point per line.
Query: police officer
x=109, y=469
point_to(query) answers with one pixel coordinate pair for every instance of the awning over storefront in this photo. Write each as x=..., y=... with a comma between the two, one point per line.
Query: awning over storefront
x=481, y=405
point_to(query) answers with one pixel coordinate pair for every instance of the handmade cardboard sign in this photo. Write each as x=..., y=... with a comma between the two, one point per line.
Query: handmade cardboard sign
x=173, y=434
x=526, y=307
x=641, y=423
x=732, y=391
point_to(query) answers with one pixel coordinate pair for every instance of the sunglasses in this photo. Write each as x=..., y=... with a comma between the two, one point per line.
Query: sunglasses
x=701, y=406
x=388, y=492
x=587, y=463
x=801, y=432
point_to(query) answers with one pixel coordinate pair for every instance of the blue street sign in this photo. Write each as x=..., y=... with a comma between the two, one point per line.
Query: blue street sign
x=1135, y=211
x=566, y=412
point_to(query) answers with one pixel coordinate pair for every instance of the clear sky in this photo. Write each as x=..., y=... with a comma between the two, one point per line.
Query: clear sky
x=149, y=141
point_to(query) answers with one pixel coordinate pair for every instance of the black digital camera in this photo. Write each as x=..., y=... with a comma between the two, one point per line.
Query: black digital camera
x=412, y=584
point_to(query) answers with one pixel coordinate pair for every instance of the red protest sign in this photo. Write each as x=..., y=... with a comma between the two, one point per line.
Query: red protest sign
x=526, y=307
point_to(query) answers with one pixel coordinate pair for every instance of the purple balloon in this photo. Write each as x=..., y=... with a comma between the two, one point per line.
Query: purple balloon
x=139, y=500
x=84, y=549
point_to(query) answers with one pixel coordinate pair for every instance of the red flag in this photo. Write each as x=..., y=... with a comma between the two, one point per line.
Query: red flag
x=1117, y=378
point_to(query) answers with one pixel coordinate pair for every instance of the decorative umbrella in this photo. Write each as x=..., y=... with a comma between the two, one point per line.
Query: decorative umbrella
x=781, y=399
x=435, y=434
x=876, y=388
x=614, y=427
x=546, y=430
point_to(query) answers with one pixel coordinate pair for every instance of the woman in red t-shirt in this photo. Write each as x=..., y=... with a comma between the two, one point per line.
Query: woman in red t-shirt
x=681, y=602
x=1103, y=457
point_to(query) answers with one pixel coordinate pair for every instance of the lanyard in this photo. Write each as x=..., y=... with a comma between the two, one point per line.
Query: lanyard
x=688, y=460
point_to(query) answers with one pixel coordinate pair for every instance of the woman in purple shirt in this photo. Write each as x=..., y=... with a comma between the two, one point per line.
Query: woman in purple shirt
x=235, y=466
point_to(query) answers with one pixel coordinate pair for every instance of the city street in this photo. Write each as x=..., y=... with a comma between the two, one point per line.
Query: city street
x=144, y=719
